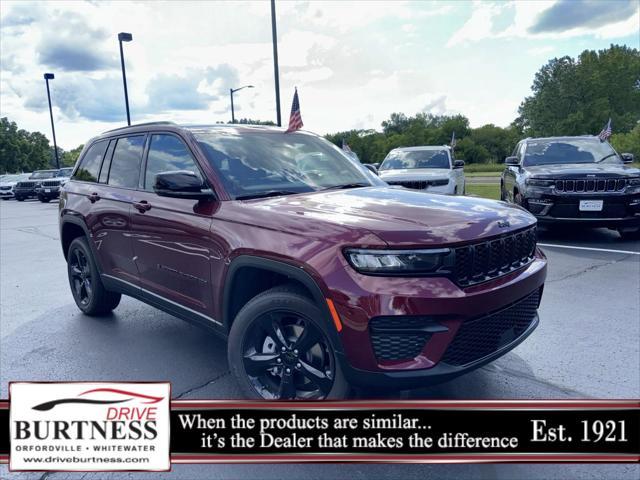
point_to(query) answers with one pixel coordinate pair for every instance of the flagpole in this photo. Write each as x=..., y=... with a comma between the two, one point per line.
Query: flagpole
x=276, y=74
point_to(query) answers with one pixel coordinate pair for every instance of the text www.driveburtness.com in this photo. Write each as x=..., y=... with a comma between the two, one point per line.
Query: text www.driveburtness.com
x=97, y=460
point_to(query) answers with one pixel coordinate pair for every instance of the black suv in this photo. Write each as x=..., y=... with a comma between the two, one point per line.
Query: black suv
x=574, y=180
x=30, y=188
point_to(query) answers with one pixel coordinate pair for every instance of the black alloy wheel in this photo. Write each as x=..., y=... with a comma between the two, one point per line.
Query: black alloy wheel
x=286, y=356
x=280, y=348
x=87, y=289
x=81, y=277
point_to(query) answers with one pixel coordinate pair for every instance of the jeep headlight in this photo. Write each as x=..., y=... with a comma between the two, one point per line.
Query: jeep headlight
x=398, y=261
x=539, y=182
x=634, y=181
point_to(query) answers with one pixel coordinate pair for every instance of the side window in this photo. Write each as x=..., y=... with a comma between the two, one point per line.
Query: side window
x=104, y=172
x=523, y=146
x=90, y=165
x=125, y=163
x=167, y=153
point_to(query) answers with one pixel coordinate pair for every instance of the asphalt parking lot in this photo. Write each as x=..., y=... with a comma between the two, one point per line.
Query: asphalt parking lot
x=587, y=345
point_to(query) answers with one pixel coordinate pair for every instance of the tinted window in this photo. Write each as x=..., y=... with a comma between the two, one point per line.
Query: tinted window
x=274, y=163
x=90, y=164
x=167, y=153
x=125, y=164
x=570, y=150
x=402, y=159
x=104, y=172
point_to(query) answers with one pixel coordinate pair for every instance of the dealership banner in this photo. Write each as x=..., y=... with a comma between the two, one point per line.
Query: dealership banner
x=96, y=426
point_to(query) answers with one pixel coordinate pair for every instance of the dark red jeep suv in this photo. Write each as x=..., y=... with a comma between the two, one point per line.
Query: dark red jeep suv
x=317, y=273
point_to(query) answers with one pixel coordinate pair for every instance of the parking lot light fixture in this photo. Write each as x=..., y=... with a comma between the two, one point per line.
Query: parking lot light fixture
x=231, y=92
x=47, y=77
x=125, y=37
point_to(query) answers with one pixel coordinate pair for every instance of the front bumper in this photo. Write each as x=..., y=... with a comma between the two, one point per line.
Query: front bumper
x=618, y=210
x=48, y=192
x=6, y=194
x=441, y=372
x=443, y=308
x=25, y=192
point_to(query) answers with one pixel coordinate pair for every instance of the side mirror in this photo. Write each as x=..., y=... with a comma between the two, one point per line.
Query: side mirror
x=627, y=157
x=181, y=184
x=371, y=167
x=512, y=161
x=458, y=164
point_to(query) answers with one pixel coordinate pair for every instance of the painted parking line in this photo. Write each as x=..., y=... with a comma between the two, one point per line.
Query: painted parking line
x=573, y=247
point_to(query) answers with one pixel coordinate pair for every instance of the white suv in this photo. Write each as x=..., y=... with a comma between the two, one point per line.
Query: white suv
x=430, y=168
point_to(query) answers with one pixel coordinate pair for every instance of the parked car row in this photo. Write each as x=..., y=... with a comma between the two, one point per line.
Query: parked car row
x=42, y=184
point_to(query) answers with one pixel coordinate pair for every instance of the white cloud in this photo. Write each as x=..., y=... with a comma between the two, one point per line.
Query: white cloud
x=481, y=23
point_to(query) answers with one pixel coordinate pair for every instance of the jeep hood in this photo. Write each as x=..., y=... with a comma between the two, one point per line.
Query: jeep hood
x=581, y=169
x=397, y=217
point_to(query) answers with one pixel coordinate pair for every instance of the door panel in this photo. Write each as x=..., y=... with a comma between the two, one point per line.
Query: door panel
x=110, y=225
x=171, y=247
x=171, y=240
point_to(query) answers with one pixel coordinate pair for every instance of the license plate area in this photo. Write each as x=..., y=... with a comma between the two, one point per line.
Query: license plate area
x=591, y=205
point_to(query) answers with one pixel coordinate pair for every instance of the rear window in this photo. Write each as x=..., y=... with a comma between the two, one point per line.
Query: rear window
x=90, y=165
x=125, y=164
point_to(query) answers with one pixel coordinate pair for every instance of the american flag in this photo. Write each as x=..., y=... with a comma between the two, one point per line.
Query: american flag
x=453, y=140
x=295, y=120
x=606, y=131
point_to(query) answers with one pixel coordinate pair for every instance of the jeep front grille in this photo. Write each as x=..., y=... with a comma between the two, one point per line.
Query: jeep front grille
x=420, y=184
x=581, y=185
x=490, y=259
x=51, y=183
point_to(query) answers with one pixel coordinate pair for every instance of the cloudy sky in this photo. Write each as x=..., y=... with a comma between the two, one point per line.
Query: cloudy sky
x=354, y=63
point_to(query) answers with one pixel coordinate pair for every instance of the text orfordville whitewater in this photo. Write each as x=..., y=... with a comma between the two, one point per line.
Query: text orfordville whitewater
x=89, y=426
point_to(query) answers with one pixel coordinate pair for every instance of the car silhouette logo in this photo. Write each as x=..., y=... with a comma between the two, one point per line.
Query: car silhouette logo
x=503, y=223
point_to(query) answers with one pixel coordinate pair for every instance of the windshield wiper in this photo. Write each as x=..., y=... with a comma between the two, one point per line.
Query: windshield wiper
x=347, y=185
x=606, y=156
x=268, y=193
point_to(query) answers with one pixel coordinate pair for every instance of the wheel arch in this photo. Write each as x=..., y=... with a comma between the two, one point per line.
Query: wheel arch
x=72, y=227
x=264, y=274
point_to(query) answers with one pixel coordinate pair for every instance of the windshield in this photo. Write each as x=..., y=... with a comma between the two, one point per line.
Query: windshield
x=416, y=159
x=257, y=164
x=44, y=174
x=573, y=150
x=64, y=172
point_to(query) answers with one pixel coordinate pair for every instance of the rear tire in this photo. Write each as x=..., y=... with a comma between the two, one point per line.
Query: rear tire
x=262, y=349
x=84, y=279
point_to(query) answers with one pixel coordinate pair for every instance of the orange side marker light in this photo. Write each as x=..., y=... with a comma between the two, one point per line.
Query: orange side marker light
x=334, y=314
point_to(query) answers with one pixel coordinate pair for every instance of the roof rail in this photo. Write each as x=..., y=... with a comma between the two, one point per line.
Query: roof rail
x=140, y=125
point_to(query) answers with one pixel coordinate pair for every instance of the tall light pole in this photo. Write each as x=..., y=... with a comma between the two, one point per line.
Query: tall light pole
x=47, y=77
x=274, y=36
x=231, y=92
x=125, y=37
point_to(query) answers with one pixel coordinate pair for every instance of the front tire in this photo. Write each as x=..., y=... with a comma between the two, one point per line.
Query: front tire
x=44, y=199
x=84, y=279
x=279, y=348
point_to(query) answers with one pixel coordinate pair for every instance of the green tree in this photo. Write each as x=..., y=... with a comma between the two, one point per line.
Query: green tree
x=69, y=158
x=22, y=151
x=578, y=96
x=628, y=142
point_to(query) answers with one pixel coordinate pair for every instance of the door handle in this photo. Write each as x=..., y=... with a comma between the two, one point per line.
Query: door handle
x=94, y=197
x=142, y=206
